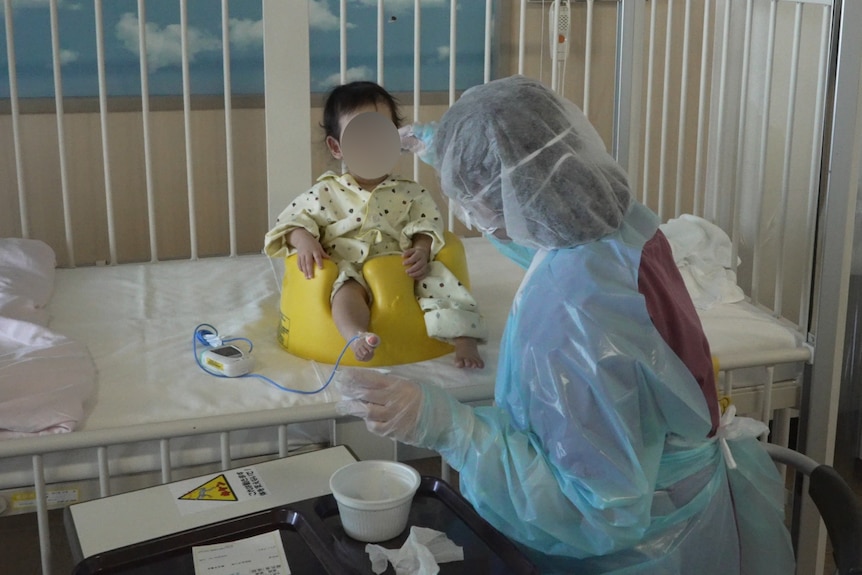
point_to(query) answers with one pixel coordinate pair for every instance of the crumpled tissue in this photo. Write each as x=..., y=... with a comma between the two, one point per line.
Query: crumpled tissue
x=420, y=554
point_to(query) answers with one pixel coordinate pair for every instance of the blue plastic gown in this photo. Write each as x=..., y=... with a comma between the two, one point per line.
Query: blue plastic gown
x=596, y=456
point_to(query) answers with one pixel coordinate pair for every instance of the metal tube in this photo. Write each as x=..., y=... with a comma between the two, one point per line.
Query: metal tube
x=282, y=441
x=700, y=147
x=489, y=20
x=522, y=35
x=42, y=514
x=788, y=158
x=816, y=160
x=342, y=37
x=228, y=125
x=649, y=90
x=224, y=444
x=103, y=124
x=728, y=382
x=722, y=99
x=381, y=23
x=665, y=109
x=736, y=190
x=145, y=113
x=628, y=87
x=165, y=453
x=588, y=58
x=104, y=471
x=187, y=128
x=453, y=46
x=61, y=131
x=16, y=119
x=766, y=106
x=683, y=110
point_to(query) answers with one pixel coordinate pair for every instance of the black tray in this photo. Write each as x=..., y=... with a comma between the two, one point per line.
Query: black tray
x=172, y=554
x=315, y=542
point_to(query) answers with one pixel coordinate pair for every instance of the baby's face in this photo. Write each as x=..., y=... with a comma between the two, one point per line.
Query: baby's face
x=369, y=144
x=345, y=118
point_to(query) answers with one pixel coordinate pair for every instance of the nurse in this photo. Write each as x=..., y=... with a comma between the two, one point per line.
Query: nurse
x=605, y=450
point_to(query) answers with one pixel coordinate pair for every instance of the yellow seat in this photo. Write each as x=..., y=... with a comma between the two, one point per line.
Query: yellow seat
x=308, y=331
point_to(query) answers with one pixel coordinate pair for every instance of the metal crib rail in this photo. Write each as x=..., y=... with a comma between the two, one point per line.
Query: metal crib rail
x=99, y=440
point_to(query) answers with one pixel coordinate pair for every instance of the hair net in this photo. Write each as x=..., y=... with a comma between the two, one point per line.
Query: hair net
x=515, y=149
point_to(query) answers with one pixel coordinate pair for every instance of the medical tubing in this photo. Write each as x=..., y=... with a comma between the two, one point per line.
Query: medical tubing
x=201, y=334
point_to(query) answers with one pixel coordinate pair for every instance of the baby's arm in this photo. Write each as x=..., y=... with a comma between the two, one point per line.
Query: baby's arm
x=417, y=258
x=308, y=251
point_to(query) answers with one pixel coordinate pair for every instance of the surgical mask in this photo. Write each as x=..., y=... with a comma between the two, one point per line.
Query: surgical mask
x=519, y=254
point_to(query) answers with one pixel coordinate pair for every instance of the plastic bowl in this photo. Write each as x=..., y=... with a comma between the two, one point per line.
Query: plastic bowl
x=374, y=498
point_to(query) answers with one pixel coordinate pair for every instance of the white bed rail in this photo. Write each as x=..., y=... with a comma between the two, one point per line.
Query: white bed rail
x=100, y=441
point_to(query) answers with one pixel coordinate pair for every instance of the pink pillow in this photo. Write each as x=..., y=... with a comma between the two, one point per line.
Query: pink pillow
x=26, y=279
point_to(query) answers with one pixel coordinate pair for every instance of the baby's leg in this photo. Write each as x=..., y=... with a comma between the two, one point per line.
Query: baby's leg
x=452, y=314
x=467, y=353
x=351, y=314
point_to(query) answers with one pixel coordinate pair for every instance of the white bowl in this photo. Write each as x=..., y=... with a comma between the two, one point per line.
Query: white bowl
x=374, y=498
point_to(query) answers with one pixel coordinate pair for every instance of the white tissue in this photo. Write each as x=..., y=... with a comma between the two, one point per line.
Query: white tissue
x=420, y=554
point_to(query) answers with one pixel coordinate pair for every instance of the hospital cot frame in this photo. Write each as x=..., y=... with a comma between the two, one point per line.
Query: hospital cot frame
x=286, y=35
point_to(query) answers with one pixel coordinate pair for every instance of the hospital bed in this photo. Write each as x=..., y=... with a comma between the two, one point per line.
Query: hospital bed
x=698, y=124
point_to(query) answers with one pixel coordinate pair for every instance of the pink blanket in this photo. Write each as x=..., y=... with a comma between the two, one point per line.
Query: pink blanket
x=45, y=377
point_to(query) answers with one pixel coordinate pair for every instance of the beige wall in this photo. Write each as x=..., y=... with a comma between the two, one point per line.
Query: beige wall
x=86, y=183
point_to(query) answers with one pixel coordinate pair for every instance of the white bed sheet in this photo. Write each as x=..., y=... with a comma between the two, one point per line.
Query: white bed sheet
x=138, y=321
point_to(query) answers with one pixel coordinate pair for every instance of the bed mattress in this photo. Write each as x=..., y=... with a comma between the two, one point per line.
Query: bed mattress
x=138, y=322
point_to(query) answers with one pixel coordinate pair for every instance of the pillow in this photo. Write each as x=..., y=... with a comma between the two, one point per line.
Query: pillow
x=26, y=279
x=45, y=380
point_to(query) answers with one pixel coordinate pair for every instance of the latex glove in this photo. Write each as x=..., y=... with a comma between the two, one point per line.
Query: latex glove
x=390, y=405
x=409, y=141
x=419, y=139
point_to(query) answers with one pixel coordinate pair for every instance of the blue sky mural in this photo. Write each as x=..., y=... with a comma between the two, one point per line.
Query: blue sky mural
x=32, y=34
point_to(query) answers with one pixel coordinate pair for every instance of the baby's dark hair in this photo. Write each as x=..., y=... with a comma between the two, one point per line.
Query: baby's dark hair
x=349, y=97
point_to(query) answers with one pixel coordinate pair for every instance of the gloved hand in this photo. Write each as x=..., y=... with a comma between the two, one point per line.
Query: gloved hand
x=390, y=405
x=419, y=139
x=419, y=414
x=409, y=141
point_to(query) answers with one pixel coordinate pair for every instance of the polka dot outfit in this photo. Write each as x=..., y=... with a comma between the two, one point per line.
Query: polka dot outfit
x=354, y=225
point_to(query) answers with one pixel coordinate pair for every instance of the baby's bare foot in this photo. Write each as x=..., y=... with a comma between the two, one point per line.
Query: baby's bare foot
x=467, y=353
x=363, y=347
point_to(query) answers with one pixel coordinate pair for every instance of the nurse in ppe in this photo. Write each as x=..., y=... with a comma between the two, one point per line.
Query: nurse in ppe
x=605, y=451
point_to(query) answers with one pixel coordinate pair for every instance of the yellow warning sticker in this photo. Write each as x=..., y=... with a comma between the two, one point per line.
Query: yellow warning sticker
x=231, y=487
x=216, y=489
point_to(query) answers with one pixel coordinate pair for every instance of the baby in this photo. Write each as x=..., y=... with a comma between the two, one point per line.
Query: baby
x=350, y=219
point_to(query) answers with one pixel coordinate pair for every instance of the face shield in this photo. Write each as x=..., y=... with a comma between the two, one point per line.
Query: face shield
x=518, y=157
x=476, y=216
